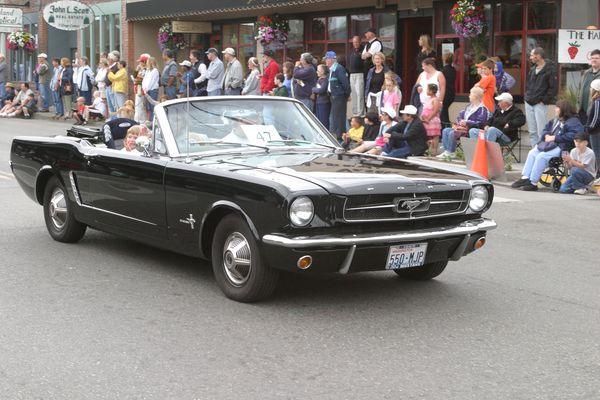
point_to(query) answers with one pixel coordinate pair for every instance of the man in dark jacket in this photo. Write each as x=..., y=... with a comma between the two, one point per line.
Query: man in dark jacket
x=540, y=91
x=505, y=123
x=305, y=79
x=408, y=138
x=339, y=93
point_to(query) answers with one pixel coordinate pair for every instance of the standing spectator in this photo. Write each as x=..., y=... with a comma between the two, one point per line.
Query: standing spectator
x=234, y=74
x=583, y=166
x=150, y=85
x=168, y=79
x=505, y=123
x=113, y=60
x=66, y=86
x=3, y=74
x=356, y=68
x=55, y=87
x=375, y=82
x=43, y=72
x=214, y=73
x=280, y=90
x=583, y=92
x=75, y=64
x=339, y=93
x=593, y=120
x=431, y=118
x=321, y=96
x=449, y=73
x=305, y=79
x=487, y=83
x=252, y=82
x=391, y=96
x=425, y=52
x=267, y=81
x=119, y=84
x=372, y=47
x=540, y=90
x=430, y=75
x=186, y=80
x=288, y=73
x=101, y=74
x=86, y=81
x=198, y=70
x=141, y=113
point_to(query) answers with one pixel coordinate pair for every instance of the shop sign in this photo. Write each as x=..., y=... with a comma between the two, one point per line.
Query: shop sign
x=575, y=45
x=191, y=27
x=68, y=15
x=11, y=19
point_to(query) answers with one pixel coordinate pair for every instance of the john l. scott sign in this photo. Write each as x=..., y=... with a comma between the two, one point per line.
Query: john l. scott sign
x=68, y=15
x=11, y=19
x=575, y=45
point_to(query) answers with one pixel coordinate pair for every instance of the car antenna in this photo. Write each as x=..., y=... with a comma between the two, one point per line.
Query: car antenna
x=188, y=159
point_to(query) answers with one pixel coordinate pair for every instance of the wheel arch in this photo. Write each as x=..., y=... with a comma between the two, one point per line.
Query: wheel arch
x=211, y=219
x=43, y=176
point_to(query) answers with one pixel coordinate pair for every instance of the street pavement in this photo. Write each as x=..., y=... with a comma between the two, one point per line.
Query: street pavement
x=109, y=318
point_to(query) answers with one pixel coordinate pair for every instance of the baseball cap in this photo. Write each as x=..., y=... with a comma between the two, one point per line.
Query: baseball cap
x=229, y=51
x=42, y=55
x=409, y=109
x=595, y=84
x=330, y=54
x=144, y=57
x=211, y=50
x=389, y=111
x=185, y=63
x=504, y=97
x=269, y=53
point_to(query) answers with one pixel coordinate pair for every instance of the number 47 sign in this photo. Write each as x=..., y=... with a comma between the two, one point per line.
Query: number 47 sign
x=575, y=45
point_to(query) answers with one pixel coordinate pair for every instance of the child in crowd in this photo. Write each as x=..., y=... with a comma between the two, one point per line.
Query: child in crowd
x=582, y=161
x=391, y=95
x=487, y=83
x=280, y=90
x=288, y=71
x=79, y=112
x=98, y=108
x=371, y=124
x=321, y=97
x=431, y=118
x=354, y=136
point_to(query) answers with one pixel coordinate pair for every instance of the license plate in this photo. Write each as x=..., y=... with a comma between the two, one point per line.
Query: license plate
x=406, y=256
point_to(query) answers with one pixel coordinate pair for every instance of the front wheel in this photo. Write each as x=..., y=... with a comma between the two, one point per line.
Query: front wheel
x=237, y=263
x=58, y=214
x=424, y=272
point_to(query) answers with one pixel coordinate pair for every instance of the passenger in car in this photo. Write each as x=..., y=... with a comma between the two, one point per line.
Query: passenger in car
x=129, y=145
x=115, y=131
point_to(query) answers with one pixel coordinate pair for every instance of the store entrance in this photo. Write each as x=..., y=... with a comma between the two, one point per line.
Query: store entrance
x=409, y=31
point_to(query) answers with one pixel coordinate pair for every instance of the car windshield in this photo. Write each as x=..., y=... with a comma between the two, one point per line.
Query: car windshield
x=208, y=125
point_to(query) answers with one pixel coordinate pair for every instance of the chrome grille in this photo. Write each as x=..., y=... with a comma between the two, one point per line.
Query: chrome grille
x=405, y=206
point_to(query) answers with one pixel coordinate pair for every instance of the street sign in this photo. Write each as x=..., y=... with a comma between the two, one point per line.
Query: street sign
x=68, y=15
x=575, y=45
x=11, y=19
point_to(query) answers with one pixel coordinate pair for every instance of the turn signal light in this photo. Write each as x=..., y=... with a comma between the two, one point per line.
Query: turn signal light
x=304, y=262
x=479, y=243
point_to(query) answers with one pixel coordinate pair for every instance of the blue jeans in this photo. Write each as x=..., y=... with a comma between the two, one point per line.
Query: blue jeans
x=149, y=107
x=322, y=112
x=491, y=135
x=579, y=179
x=2, y=89
x=450, y=139
x=537, y=118
x=109, y=100
x=595, y=145
x=216, y=92
x=338, y=115
x=58, y=105
x=45, y=96
x=233, y=92
x=119, y=99
x=87, y=95
x=308, y=103
x=400, y=152
x=171, y=92
x=536, y=163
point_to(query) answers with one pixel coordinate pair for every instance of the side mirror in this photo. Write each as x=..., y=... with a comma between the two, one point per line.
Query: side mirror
x=143, y=145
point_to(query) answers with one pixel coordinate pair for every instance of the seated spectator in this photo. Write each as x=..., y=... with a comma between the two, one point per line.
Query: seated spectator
x=129, y=144
x=351, y=138
x=79, y=111
x=375, y=146
x=582, y=161
x=475, y=115
x=115, y=131
x=98, y=108
x=21, y=99
x=558, y=136
x=28, y=107
x=408, y=138
x=371, y=124
x=505, y=123
x=9, y=94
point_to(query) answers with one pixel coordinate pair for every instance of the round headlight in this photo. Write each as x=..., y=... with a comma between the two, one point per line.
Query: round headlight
x=479, y=198
x=302, y=211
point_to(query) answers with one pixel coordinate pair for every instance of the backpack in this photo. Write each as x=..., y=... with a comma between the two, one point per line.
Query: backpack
x=506, y=83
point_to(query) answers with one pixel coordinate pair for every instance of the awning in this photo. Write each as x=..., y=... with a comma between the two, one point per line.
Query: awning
x=143, y=10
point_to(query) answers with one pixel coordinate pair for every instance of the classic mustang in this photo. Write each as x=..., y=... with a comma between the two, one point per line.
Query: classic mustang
x=257, y=185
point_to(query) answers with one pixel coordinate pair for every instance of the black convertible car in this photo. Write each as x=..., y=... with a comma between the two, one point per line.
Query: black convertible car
x=257, y=185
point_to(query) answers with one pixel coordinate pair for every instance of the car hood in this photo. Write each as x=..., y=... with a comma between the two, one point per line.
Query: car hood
x=344, y=173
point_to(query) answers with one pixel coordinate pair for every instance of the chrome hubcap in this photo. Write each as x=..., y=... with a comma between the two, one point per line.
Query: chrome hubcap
x=58, y=208
x=236, y=259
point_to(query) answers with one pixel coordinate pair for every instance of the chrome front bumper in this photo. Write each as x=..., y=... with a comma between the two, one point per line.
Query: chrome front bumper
x=466, y=228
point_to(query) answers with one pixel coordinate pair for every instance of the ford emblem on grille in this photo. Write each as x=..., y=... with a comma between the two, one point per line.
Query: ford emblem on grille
x=412, y=205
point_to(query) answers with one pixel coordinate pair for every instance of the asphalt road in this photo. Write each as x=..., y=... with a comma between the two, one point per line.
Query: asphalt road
x=109, y=318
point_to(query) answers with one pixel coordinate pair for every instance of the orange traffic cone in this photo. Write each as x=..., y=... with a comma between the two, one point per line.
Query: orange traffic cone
x=480, y=163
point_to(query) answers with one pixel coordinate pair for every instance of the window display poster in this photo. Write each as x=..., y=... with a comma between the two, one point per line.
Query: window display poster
x=575, y=45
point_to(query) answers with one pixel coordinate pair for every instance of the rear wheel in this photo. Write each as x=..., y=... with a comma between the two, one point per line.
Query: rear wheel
x=424, y=272
x=237, y=263
x=58, y=214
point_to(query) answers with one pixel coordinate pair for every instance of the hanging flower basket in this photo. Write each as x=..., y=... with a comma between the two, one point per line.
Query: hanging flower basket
x=468, y=19
x=272, y=30
x=21, y=40
x=169, y=40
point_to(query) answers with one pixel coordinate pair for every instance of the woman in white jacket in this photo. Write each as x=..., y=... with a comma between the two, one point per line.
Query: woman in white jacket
x=150, y=84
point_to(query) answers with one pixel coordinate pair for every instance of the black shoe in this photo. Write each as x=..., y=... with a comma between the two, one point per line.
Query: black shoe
x=530, y=187
x=520, y=183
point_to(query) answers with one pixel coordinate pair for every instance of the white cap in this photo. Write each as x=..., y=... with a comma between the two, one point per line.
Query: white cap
x=229, y=51
x=42, y=55
x=595, y=84
x=185, y=63
x=389, y=111
x=409, y=109
x=505, y=97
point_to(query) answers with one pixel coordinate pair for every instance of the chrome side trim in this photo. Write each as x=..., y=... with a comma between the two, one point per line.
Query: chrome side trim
x=465, y=228
x=347, y=261
x=74, y=188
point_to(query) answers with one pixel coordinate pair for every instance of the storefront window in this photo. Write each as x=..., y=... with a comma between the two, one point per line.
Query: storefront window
x=337, y=28
x=510, y=16
x=359, y=24
x=240, y=37
x=542, y=15
x=317, y=29
x=443, y=25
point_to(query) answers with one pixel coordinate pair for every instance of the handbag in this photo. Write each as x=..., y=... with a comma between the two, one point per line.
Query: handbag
x=546, y=146
x=68, y=89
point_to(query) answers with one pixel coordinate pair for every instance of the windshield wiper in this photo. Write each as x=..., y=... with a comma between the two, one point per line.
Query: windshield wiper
x=293, y=142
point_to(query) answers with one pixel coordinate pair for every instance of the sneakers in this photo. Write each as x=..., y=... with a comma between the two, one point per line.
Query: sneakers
x=520, y=183
x=581, y=191
x=446, y=154
x=11, y=115
x=3, y=115
x=529, y=187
